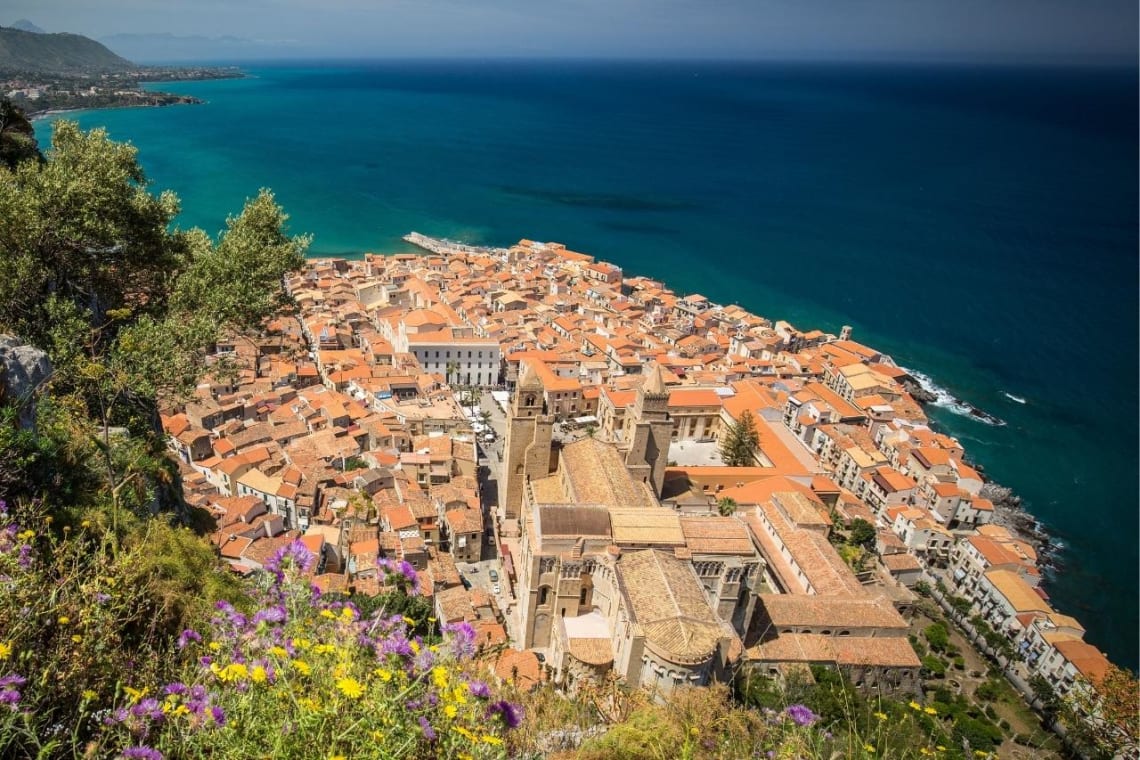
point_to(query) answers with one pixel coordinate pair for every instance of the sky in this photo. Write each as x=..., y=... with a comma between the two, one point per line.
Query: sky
x=1038, y=30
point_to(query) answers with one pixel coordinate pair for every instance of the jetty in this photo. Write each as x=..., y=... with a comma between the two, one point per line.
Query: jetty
x=445, y=247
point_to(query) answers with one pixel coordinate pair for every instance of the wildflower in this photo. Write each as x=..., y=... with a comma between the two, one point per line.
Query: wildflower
x=914, y=705
x=408, y=620
x=510, y=714
x=76, y=638
x=258, y=675
x=140, y=753
x=869, y=748
x=494, y=741
x=27, y=535
x=981, y=753
x=348, y=614
x=85, y=524
x=219, y=716
x=940, y=748
x=5, y=651
x=337, y=757
x=461, y=639
x=439, y=677
x=384, y=674
x=377, y=736
x=302, y=667
x=214, y=646
x=135, y=695
x=277, y=651
x=301, y=643
x=801, y=715
x=89, y=695
x=273, y=614
x=479, y=689
x=63, y=620
x=9, y=697
x=465, y=733
x=187, y=636
x=296, y=554
x=930, y=711
x=694, y=731
x=231, y=672
x=881, y=716
x=429, y=732
x=350, y=687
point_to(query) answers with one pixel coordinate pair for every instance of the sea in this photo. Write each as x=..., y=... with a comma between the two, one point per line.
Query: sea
x=978, y=223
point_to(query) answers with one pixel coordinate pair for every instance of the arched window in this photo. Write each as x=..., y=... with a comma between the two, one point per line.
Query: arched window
x=543, y=595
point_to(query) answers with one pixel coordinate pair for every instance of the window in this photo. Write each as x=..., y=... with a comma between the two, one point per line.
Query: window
x=437, y=354
x=543, y=595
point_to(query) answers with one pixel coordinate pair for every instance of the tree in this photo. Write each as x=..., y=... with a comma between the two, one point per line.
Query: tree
x=126, y=306
x=1102, y=715
x=17, y=136
x=741, y=442
x=726, y=506
x=862, y=534
x=938, y=636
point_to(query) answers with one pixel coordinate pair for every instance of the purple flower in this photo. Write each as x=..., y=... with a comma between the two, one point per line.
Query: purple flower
x=219, y=716
x=462, y=639
x=175, y=688
x=148, y=708
x=296, y=553
x=274, y=614
x=479, y=689
x=12, y=680
x=9, y=697
x=511, y=714
x=141, y=753
x=102, y=598
x=25, y=558
x=429, y=732
x=801, y=715
x=187, y=636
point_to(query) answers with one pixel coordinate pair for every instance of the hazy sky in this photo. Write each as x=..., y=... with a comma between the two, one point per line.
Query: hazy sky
x=958, y=29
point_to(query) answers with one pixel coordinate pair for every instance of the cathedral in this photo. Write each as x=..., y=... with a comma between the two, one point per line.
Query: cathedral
x=608, y=579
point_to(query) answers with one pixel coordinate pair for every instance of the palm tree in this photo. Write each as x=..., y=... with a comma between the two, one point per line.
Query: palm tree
x=452, y=369
x=726, y=506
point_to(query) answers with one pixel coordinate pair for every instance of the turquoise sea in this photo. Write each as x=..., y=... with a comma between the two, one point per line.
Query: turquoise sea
x=979, y=224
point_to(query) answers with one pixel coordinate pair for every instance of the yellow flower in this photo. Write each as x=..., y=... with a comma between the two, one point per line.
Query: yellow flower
x=377, y=736
x=431, y=620
x=350, y=687
x=439, y=677
x=981, y=753
x=940, y=748
x=494, y=741
x=328, y=614
x=347, y=613
x=415, y=647
x=85, y=524
x=324, y=649
x=694, y=731
x=465, y=733
x=914, y=705
x=5, y=651
x=869, y=748
x=134, y=694
x=337, y=757
x=77, y=638
x=309, y=703
x=385, y=675
x=930, y=711
x=926, y=751
x=27, y=535
x=465, y=756
x=89, y=695
x=232, y=672
x=302, y=643
x=49, y=519
x=881, y=715
x=214, y=646
x=63, y=620
x=459, y=695
x=408, y=620
x=278, y=651
x=302, y=667
x=258, y=675
x=450, y=711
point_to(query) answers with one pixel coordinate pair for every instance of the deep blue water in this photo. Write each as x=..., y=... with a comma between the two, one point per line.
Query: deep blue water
x=979, y=224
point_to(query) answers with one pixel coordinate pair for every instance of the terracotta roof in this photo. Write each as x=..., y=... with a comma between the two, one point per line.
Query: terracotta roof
x=669, y=604
x=874, y=651
x=598, y=475
x=717, y=535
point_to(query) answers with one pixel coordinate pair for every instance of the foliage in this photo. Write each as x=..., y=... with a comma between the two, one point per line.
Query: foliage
x=97, y=660
x=1102, y=716
x=79, y=613
x=862, y=534
x=938, y=636
x=305, y=672
x=934, y=666
x=17, y=136
x=726, y=506
x=740, y=442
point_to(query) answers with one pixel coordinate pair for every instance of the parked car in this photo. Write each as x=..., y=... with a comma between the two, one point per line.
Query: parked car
x=494, y=575
x=496, y=589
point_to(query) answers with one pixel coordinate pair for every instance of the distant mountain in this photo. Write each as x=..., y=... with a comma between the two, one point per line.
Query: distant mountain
x=169, y=48
x=56, y=53
x=27, y=26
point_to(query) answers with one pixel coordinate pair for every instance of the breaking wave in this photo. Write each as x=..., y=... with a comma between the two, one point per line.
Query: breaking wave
x=947, y=400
